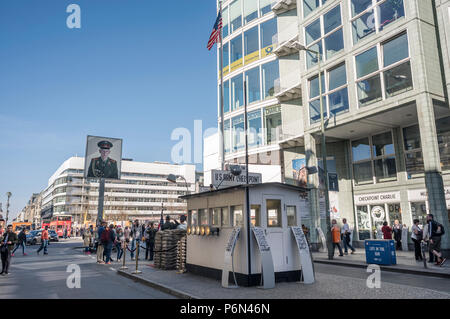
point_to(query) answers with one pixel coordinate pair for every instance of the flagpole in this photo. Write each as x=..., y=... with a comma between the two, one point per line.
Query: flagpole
x=222, y=136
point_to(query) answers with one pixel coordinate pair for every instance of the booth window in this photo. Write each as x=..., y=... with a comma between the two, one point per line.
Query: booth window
x=238, y=216
x=215, y=216
x=273, y=213
x=194, y=218
x=291, y=215
x=255, y=215
x=202, y=217
x=225, y=217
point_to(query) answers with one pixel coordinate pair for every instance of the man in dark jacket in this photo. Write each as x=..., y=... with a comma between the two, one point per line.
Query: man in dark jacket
x=435, y=231
x=22, y=241
x=150, y=233
x=168, y=225
x=8, y=241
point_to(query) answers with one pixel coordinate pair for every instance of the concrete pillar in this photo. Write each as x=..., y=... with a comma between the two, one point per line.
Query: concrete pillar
x=432, y=163
x=313, y=184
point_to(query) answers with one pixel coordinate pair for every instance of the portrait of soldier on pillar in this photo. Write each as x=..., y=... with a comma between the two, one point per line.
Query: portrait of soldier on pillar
x=108, y=164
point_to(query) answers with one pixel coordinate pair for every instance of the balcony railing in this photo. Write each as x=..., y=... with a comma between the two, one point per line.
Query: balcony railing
x=282, y=6
x=288, y=87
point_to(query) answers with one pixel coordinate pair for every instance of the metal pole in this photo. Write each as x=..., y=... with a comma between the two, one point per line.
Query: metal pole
x=222, y=137
x=101, y=197
x=137, y=260
x=324, y=163
x=124, y=256
x=7, y=208
x=247, y=195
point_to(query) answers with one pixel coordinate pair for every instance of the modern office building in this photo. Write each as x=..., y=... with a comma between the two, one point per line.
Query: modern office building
x=385, y=76
x=140, y=193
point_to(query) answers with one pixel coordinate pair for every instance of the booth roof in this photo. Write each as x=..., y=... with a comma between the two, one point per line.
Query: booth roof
x=225, y=189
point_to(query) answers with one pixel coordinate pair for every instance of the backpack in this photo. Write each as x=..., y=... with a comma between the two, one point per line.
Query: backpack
x=442, y=229
x=105, y=237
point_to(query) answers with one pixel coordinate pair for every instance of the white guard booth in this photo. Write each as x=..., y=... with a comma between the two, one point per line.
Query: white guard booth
x=217, y=227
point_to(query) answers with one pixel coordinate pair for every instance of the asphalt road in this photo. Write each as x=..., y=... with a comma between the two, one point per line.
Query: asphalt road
x=39, y=276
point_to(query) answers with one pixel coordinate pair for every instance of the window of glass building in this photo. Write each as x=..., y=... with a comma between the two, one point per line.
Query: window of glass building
x=372, y=16
x=235, y=15
x=238, y=215
x=227, y=135
x=236, y=52
x=225, y=24
x=255, y=128
x=443, y=135
x=255, y=215
x=374, y=159
x=324, y=34
x=291, y=212
x=273, y=213
x=334, y=94
x=270, y=73
x=265, y=6
x=237, y=92
x=395, y=70
x=226, y=55
x=238, y=133
x=268, y=36
x=226, y=96
x=272, y=120
x=253, y=85
x=251, y=45
x=250, y=10
x=311, y=5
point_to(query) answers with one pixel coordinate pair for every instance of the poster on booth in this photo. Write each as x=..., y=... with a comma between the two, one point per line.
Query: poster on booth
x=103, y=158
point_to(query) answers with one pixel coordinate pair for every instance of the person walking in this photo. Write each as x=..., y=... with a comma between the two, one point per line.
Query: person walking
x=119, y=242
x=397, y=230
x=150, y=234
x=107, y=239
x=416, y=236
x=336, y=237
x=22, y=240
x=8, y=240
x=387, y=231
x=137, y=236
x=346, y=232
x=87, y=238
x=44, y=241
x=100, y=247
x=434, y=234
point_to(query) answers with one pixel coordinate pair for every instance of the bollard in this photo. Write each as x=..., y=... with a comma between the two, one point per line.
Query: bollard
x=124, y=257
x=137, y=260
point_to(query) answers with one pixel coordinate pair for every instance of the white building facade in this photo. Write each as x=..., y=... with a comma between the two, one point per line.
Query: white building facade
x=141, y=193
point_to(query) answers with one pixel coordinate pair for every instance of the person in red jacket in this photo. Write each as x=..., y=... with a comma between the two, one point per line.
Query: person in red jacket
x=387, y=231
x=336, y=237
x=44, y=241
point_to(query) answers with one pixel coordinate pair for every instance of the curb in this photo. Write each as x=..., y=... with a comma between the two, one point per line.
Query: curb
x=391, y=269
x=160, y=287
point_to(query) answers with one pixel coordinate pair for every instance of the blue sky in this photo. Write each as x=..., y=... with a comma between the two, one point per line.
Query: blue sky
x=137, y=69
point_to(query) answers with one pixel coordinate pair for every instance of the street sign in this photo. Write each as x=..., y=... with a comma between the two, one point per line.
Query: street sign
x=225, y=178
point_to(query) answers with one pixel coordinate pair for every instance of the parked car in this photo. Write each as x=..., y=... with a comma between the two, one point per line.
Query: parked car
x=53, y=235
x=34, y=236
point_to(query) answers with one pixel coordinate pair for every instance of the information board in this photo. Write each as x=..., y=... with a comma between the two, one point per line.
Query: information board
x=268, y=272
x=304, y=254
x=228, y=260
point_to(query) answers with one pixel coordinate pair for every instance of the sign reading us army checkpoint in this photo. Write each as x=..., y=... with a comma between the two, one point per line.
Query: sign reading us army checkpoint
x=225, y=178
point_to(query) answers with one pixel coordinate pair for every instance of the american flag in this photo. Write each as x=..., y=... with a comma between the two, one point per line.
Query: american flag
x=216, y=32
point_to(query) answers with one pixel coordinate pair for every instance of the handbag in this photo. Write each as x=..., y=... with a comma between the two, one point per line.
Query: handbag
x=4, y=248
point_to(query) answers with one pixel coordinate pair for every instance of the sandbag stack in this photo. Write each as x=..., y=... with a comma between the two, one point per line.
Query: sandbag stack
x=166, y=248
x=181, y=255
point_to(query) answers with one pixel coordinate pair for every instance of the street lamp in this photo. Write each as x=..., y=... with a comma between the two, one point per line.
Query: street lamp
x=301, y=47
x=7, y=207
x=173, y=179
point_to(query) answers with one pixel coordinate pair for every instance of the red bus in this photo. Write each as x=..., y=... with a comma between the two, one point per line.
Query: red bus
x=58, y=224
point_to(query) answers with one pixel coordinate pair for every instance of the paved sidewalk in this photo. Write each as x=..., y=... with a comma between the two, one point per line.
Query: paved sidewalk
x=406, y=263
x=328, y=286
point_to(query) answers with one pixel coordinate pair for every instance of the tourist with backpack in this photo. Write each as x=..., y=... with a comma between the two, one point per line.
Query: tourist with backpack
x=435, y=232
x=100, y=247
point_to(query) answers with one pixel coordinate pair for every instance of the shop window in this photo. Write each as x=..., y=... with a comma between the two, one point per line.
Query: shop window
x=238, y=133
x=413, y=152
x=273, y=212
x=253, y=85
x=250, y=10
x=443, y=135
x=255, y=128
x=324, y=34
x=226, y=222
x=238, y=216
x=235, y=15
x=291, y=212
x=378, y=217
x=270, y=73
x=255, y=215
x=419, y=211
x=272, y=119
x=395, y=213
x=372, y=16
x=215, y=217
